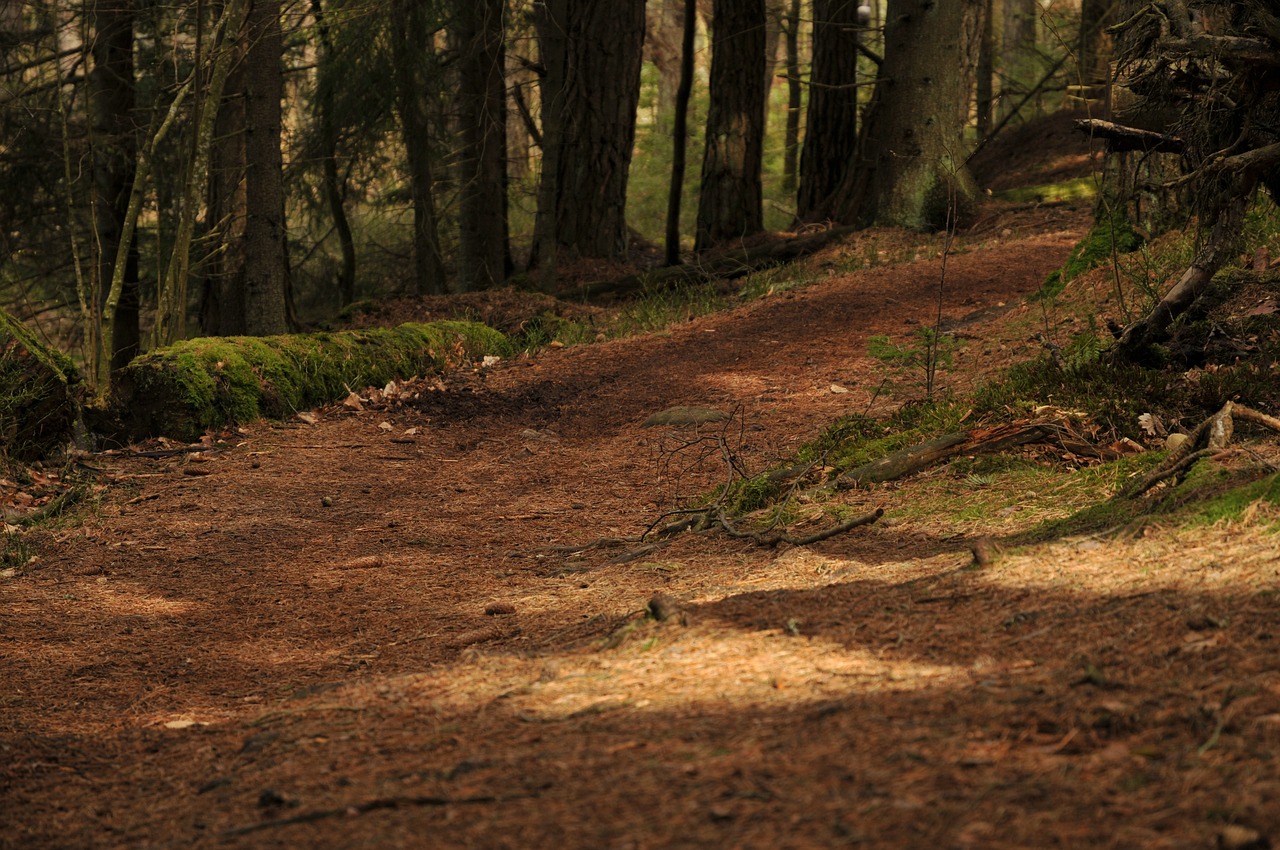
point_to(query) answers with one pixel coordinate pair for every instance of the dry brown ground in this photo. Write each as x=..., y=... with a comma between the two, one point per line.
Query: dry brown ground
x=349, y=634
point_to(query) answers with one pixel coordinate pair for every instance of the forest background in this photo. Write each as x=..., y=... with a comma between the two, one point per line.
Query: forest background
x=220, y=168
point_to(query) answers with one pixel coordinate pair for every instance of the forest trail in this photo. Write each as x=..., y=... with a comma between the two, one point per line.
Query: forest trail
x=358, y=633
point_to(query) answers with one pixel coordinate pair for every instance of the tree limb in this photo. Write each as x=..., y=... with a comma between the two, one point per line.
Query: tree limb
x=1122, y=138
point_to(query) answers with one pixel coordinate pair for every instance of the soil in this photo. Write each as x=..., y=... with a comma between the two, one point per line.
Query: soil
x=381, y=629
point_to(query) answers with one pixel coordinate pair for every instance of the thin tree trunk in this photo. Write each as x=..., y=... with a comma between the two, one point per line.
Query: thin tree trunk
x=731, y=203
x=680, y=133
x=986, y=72
x=483, y=255
x=1018, y=59
x=664, y=30
x=115, y=151
x=334, y=184
x=410, y=48
x=795, y=95
x=774, y=12
x=266, y=272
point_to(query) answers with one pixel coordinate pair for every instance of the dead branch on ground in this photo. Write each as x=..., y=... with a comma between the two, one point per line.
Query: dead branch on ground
x=1210, y=437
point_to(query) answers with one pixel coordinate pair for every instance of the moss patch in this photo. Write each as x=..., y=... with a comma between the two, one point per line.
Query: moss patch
x=40, y=394
x=1112, y=235
x=208, y=383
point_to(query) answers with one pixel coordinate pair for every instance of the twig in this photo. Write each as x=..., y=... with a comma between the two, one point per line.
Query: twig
x=773, y=538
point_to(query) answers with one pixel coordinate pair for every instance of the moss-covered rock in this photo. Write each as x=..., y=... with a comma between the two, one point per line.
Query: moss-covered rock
x=40, y=394
x=207, y=383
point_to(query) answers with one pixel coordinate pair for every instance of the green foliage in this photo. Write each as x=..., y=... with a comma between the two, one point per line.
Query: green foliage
x=852, y=441
x=207, y=383
x=930, y=352
x=658, y=309
x=1112, y=395
x=1111, y=235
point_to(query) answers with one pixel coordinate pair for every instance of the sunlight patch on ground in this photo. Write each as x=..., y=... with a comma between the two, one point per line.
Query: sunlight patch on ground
x=131, y=599
x=1226, y=557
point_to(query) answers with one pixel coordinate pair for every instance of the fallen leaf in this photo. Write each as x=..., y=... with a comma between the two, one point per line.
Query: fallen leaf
x=838, y=390
x=386, y=426
x=309, y=418
x=353, y=402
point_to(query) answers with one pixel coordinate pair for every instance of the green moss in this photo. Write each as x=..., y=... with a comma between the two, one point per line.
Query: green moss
x=40, y=393
x=751, y=494
x=1112, y=234
x=207, y=383
x=1211, y=494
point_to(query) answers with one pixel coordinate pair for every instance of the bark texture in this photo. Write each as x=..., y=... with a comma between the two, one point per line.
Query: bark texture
x=831, y=129
x=591, y=55
x=909, y=170
x=115, y=150
x=247, y=291
x=730, y=204
x=483, y=257
x=266, y=269
x=410, y=52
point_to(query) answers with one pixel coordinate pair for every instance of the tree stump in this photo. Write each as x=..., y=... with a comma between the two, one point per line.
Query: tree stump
x=40, y=394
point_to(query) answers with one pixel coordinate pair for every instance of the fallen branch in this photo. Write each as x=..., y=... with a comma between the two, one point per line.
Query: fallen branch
x=920, y=457
x=1215, y=433
x=1121, y=138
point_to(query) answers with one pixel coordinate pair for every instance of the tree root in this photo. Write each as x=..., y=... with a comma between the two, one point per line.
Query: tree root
x=1215, y=433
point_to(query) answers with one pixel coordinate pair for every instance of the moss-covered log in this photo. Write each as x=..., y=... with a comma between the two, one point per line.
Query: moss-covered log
x=189, y=388
x=40, y=394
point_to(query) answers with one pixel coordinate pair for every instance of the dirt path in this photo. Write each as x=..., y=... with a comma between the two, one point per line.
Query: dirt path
x=349, y=635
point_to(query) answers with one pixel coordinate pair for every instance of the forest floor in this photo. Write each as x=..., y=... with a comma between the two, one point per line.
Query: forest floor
x=372, y=631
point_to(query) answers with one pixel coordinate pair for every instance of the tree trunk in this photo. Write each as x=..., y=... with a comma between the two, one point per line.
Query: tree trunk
x=1094, y=54
x=986, y=72
x=909, y=170
x=680, y=134
x=831, y=129
x=247, y=292
x=591, y=53
x=222, y=311
x=483, y=257
x=334, y=184
x=731, y=203
x=115, y=152
x=266, y=271
x=411, y=48
x=795, y=97
x=1018, y=60
x=774, y=13
x=664, y=29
